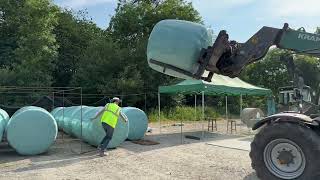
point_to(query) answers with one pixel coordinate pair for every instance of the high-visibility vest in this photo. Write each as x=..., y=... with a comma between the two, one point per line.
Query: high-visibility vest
x=111, y=114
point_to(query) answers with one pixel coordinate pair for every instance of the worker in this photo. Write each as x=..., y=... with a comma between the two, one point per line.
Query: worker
x=110, y=115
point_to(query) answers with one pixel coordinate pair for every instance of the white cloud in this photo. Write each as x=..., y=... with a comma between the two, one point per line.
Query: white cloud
x=210, y=4
x=76, y=4
x=213, y=11
x=298, y=13
x=294, y=8
x=275, y=8
x=214, y=7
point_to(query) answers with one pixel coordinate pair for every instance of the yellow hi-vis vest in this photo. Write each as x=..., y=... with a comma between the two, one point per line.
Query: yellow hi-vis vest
x=111, y=114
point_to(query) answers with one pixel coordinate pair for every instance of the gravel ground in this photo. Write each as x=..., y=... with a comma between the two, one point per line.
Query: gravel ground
x=219, y=156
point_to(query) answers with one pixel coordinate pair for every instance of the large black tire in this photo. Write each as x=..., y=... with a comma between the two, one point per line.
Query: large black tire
x=304, y=137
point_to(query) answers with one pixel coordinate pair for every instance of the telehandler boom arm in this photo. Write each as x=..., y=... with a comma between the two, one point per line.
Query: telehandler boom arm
x=230, y=57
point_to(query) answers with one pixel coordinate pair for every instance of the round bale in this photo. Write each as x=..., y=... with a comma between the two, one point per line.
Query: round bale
x=31, y=130
x=4, y=117
x=120, y=133
x=138, y=122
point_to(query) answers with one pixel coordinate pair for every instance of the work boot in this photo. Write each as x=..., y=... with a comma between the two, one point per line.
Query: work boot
x=101, y=153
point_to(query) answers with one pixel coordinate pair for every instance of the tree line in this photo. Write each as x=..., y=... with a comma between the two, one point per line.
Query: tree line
x=42, y=44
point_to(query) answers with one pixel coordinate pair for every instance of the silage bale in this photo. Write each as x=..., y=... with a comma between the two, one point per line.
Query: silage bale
x=92, y=130
x=76, y=121
x=120, y=133
x=68, y=119
x=63, y=118
x=87, y=134
x=4, y=117
x=138, y=122
x=250, y=116
x=31, y=130
x=177, y=43
x=55, y=112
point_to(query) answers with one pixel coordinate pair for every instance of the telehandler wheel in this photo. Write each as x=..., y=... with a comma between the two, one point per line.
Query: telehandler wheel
x=286, y=151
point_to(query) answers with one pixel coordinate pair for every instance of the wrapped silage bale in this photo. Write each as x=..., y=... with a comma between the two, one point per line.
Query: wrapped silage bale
x=120, y=133
x=55, y=111
x=250, y=116
x=87, y=135
x=92, y=131
x=4, y=117
x=138, y=122
x=31, y=130
x=65, y=119
x=76, y=125
x=177, y=43
x=68, y=120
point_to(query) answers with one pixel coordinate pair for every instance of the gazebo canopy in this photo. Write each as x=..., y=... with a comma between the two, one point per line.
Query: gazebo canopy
x=220, y=85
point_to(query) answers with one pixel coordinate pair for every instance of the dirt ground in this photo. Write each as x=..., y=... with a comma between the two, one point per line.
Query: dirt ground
x=216, y=156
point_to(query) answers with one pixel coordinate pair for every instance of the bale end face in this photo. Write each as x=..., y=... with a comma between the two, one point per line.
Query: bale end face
x=31, y=131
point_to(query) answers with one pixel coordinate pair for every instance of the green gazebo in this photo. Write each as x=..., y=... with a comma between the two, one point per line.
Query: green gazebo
x=219, y=86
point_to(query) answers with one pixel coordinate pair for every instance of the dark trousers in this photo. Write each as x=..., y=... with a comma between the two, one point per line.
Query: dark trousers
x=109, y=132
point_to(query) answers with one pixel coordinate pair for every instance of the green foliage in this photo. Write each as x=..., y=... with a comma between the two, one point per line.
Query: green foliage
x=310, y=68
x=74, y=34
x=99, y=66
x=36, y=43
x=130, y=28
x=184, y=113
x=30, y=48
x=133, y=22
x=42, y=45
x=273, y=73
x=8, y=32
x=114, y=62
x=268, y=73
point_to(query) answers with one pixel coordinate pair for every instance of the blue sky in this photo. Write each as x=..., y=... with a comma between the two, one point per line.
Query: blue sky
x=241, y=18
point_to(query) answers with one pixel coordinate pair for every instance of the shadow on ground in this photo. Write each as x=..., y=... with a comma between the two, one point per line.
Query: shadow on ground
x=175, y=139
x=67, y=151
x=56, y=162
x=250, y=139
x=63, y=153
x=251, y=176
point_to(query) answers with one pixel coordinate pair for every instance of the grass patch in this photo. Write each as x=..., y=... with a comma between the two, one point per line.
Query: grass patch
x=186, y=113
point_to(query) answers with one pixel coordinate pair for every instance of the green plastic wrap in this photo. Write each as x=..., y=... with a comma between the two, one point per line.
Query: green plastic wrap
x=31, y=130
x=66, y=119
x=138, y=123
x=57, y=111
x=177, y=43
x=4, y=117
x=69, y=120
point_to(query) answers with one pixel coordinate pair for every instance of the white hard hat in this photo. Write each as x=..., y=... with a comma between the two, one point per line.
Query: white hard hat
x=115, y=99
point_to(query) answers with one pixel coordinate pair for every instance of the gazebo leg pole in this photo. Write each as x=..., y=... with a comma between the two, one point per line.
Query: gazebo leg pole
x=159, y=117
x=241, y=111
x=226, y=107
x=241, y=106
x=195, y=107
x=181, y=131
x=202, y=115
x=226, y=99
x=195, y=111
x=145, y=102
